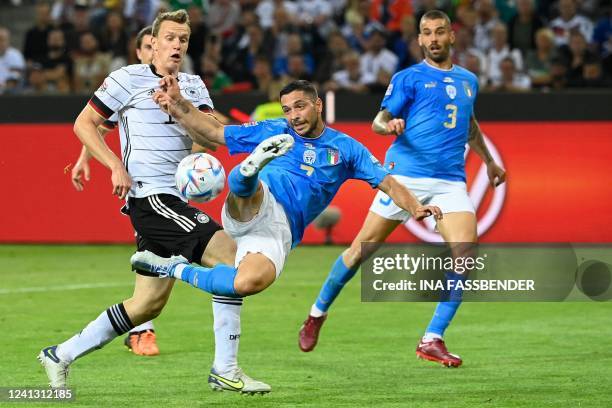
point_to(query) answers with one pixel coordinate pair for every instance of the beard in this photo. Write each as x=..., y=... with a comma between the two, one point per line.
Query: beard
x=440, y=57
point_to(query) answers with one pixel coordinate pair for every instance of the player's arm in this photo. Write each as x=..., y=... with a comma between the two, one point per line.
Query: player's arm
x=86, y=128
x=496, y=174
x=385, y=124
x=406, y=200
x=202, y=127
x=80, y=171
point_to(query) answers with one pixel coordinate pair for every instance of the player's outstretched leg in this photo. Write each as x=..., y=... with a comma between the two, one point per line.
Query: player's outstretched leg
x=218, y=280
x=141, y=340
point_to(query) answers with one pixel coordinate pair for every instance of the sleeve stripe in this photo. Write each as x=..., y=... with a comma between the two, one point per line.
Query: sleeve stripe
x=205, y=108
x=100, y=107
x=122, y=87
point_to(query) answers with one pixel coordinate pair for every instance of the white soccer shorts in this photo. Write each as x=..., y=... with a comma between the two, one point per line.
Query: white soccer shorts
x=268, y=233
x=450, y=196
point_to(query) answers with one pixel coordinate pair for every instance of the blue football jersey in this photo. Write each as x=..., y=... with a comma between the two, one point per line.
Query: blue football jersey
x=307, y=178
x=437, y=106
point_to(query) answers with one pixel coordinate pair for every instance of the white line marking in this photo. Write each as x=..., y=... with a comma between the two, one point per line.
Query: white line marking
x=60, y=288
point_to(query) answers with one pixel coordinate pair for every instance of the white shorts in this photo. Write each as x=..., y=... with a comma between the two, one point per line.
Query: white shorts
x=268, y=233
x=450, y=196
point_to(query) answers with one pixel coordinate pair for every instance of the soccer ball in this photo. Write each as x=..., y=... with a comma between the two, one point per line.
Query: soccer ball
x=200, y=177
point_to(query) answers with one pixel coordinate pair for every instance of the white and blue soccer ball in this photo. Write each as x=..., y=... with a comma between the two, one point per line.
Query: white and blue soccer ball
x=200, y=177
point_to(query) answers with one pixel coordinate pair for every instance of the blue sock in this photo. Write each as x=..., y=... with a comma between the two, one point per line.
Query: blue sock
x=445, y=311
x=240, y=185
x=337, y=278
x=218, y=280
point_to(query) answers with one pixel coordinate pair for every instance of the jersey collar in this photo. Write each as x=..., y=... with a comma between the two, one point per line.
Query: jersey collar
x=152, y=67
x=452, y=68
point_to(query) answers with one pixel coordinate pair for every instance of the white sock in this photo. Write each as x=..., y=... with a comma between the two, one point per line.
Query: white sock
x=431, y=336
x=142, y=327
x=226, y=312
x=111, y=323
x=316, y=312
x=178, y=271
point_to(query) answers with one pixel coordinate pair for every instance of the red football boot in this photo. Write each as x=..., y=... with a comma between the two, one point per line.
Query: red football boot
x=309, y=333
x=436, y=351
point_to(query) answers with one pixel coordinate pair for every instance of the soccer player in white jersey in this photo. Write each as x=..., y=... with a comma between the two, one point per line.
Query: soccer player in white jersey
x=429, y=108
x=152, y=145
x=141, y=340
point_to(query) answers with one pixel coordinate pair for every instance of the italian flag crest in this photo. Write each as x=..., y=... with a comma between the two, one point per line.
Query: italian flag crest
x=333, y=156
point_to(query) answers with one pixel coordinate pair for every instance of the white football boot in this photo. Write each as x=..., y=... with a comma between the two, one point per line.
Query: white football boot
x=267, y=150
x=147, y=261
x=57, y=370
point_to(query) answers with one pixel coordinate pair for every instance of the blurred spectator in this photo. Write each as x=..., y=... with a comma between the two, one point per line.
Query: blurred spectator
x=79, y=25
x=390, y=13
x=592, y=74
x=575, y=53
x=510, y=80
x=523, y=26
x=202, y=5
x=240, y=62
x=602, y=35
x=538, y=62
x=12, y=64
x=35, y=43
x=464, y=48
x=317, y=14
x=357, y=19
x=487, y=19
x=114, y=37
x=199, y=34
x=499, y=51
x=37, y=82
x=378, y=58
x=466, y=17
x=568, y=22
x=142, y=12
x=332, y=61
x=280, y=30
x=294, y=47
x=558, y=73
x=90, y=65
x=349, y=78
x=223, y=16
x=473, y=64
x=296, y=69
x=401, y=43
x=266, y=10
x=57, y=64
x=215, y=79
x=263, y=80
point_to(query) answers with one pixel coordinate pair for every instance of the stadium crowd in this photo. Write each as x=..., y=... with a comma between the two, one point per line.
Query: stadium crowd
x=357, y=45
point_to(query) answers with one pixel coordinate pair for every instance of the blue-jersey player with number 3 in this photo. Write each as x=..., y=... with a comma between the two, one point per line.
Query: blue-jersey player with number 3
x=429, y=108
x=295, y=167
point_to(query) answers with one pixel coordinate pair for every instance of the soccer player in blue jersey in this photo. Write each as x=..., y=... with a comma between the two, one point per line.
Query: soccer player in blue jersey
x=429, y=108
x=296, y=166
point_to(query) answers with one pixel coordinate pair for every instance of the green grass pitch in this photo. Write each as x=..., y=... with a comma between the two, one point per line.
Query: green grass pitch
x=528, y=355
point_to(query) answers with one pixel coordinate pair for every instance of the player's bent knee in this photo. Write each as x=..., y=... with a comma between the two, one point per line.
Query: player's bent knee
x=255, y=273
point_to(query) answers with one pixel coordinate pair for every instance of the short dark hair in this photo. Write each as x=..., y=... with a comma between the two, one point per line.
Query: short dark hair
x=300, y=85
x=148, y=30
x=435, y=15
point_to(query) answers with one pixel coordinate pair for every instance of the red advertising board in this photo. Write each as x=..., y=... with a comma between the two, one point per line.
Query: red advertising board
x=558, y=187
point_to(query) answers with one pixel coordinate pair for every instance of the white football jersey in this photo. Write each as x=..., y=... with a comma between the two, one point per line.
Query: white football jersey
x=152, y=143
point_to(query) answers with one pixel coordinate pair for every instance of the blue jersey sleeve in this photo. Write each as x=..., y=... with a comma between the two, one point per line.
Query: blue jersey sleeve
x=399, y=95
x=365, y=166
x=245, y=138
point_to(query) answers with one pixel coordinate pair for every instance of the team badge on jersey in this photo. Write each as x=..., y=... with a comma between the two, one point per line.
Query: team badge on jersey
x=333, y=156
x=192, y=92
x=467, y=89
x=309, y=156
x=451, y=91
x=202, y=218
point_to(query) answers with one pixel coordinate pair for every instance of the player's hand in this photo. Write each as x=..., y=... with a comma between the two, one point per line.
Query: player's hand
x=424, y=211
x=164, y=101
x=122, y=182
x=169, y=85
x=396, y=126
x=80, y=174
x=496, y=174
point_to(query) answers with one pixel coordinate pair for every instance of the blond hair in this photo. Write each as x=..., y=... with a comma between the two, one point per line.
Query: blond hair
x=178, y=16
